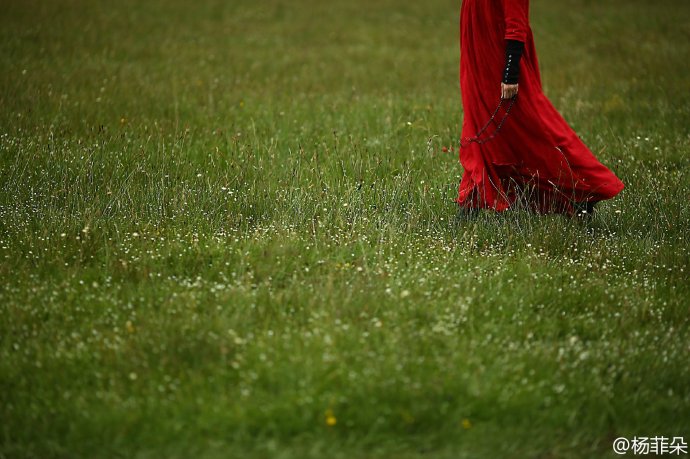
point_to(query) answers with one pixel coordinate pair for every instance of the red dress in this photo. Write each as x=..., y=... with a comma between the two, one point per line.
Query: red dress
x=536, y=155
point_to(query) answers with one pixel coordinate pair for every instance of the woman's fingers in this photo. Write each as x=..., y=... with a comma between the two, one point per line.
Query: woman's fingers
x=508, y=91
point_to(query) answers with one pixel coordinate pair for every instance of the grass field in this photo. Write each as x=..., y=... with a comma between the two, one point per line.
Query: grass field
x=227, y=230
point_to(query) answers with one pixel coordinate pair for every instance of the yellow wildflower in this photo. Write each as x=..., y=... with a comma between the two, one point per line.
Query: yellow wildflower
x=330, y=418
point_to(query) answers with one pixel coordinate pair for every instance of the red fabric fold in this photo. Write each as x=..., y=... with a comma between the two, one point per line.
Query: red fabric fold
x=516, y=20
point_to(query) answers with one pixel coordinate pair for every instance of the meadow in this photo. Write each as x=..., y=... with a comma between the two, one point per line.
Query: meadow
x=227, y=230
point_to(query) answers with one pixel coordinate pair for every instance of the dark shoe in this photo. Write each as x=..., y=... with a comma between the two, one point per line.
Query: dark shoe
x=584, y=209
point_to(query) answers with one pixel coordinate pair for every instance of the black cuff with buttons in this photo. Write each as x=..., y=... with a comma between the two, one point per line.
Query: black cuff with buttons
x=511, y=73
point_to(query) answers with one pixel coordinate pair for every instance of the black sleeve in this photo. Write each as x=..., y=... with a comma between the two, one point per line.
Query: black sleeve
x=511, y=73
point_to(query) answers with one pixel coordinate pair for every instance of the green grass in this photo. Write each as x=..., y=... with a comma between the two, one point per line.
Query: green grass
x=222, y=223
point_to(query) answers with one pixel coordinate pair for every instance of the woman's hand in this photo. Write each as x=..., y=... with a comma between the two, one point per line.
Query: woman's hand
x=508, y=91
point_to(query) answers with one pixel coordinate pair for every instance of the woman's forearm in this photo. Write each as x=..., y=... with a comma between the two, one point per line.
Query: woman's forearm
x=511, y=72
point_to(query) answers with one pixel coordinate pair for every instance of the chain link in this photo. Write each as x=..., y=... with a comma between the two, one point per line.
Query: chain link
x=476, y=139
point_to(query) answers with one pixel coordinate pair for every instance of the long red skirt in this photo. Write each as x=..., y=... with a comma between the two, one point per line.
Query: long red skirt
x=536, y=157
